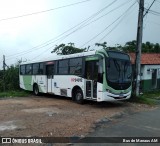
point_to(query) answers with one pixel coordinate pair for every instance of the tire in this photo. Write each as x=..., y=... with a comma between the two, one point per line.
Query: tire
x=78, y=96
x=36, y=90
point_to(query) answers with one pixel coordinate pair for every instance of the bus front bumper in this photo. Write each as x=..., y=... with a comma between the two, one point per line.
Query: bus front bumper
x=106, y=96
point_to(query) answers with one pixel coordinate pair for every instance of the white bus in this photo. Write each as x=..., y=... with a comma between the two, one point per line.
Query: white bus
x=96, y=75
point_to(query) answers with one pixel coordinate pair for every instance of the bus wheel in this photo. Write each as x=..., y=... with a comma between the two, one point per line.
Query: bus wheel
x=36, y=90
x=78, y=96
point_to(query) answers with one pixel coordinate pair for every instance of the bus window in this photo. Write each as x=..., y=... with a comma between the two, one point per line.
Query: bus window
x=41, y=69
x=28, y=69
x=75, y=66
x=22, y=70
x=35, y=68
x=63, y=67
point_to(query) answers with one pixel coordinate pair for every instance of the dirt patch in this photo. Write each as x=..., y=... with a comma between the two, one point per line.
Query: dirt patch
x=56, y=116
x=42, y=110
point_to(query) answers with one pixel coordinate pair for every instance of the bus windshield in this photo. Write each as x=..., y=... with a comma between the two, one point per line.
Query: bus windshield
x=118, y=70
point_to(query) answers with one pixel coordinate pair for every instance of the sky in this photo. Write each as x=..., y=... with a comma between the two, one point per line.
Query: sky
x=27, y=35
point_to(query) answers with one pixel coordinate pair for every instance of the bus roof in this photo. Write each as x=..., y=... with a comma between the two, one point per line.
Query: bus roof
x=59, y=57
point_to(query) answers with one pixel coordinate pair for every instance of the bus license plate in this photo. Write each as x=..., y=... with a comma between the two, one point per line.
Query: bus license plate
x=121, y=96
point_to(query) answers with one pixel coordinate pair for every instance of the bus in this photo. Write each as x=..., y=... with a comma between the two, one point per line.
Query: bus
x=101, y=75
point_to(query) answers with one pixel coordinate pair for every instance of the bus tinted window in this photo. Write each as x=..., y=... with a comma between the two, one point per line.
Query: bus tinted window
x=118, y=55
x=75, y=62
x=77, y=70
x=63, y=70
x=22, y=69
x=35, y=68
x=63, y=67
x=29, y=69
x=63, y=63
x=41, y=69
x=75, y=66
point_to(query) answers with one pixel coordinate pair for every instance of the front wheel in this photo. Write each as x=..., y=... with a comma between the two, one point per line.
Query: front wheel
x=79, y=96
x=36, y=90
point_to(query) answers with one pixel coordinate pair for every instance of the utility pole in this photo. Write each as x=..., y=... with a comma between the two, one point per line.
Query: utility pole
x=139, y=46
x=4, y=65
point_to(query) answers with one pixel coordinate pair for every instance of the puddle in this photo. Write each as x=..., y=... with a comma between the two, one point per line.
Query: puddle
x=7, y=126
x=43, y=110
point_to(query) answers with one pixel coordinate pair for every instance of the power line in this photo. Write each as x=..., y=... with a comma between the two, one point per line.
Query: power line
x=108, y=26
x=44, y=11
x=62, y=38
x=89, y=23
x=154, y=12
x=92, y=22
x=57, y=38
x=42, y=53
x=149, y=8
x=81, y=26
x=116, y=24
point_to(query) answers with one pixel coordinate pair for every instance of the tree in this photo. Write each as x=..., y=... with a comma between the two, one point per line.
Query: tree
x=147, y=47
x=11, y=78
x=157, y=48
x=63, y=49
x=104, y=45
x=129, y=46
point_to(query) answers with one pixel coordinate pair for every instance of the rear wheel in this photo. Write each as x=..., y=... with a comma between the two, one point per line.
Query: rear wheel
x=78, y=96
x=36, y=90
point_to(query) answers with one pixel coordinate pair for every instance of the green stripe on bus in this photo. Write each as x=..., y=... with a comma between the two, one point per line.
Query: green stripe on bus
x=28, y=82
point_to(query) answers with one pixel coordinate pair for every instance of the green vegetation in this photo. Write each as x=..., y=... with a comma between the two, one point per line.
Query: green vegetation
x=129, y=47
x=14, y=94
x=11, y=81
x=152, y=94
x=147, y=98
x=144, y=100
x=63, y=49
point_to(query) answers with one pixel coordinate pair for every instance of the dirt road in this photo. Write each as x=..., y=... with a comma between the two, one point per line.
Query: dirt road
x=56, y=116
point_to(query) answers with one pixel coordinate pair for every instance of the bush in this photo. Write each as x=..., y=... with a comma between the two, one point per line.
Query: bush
x=11, y=79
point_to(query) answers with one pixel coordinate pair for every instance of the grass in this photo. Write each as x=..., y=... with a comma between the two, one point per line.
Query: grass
x=18, y=93
x=147, y=98
x=152, y=94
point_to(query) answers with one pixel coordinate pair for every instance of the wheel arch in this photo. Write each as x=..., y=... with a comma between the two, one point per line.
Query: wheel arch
x=74, y=89
x=34, y=84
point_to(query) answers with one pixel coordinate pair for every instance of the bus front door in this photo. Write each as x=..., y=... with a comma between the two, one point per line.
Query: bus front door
x=91, y=79
x=50, y=76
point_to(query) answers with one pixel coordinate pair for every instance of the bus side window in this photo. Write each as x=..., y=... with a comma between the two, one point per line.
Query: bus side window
x=41, y=69
x=63, y=67
x=75, y=66
x=22, y=70
x=29, y=69
x=35, y=68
